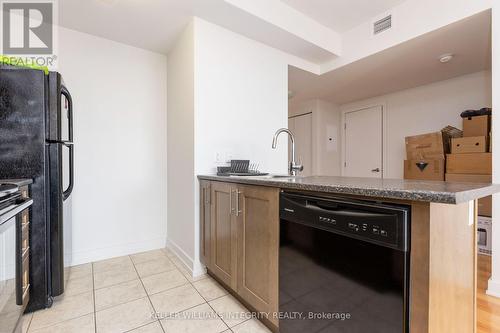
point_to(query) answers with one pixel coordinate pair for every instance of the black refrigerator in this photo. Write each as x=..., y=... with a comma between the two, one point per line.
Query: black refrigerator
x=36, y=141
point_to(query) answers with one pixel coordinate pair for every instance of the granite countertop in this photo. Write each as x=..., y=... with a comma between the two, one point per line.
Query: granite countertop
x=18, y=182
x=414, y=190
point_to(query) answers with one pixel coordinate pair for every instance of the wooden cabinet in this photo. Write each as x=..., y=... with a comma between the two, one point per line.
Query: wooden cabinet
x=244, y=241
x=205, y=195
x=258, y=248
x=223, y=233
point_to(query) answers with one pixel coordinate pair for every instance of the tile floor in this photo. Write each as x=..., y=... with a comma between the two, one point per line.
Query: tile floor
x=150, y=292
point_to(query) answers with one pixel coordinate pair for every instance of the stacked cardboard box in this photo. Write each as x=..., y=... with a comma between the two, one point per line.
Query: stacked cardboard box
x=425, y=156
x=470, y=159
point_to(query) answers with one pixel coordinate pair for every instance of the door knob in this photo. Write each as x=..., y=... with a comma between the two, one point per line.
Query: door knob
x=376, y=170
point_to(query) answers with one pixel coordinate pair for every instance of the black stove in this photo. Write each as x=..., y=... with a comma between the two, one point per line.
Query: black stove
x=9, y=194
x=7, y=189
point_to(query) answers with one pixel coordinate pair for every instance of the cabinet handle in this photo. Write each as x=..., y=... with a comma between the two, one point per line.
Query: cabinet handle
x=208, y=195
x=231, y=202
x=238, y=211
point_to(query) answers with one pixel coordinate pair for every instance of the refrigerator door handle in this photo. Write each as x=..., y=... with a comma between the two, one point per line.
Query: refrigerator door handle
x=65, y=93
x=69, y=143
x=67, y=192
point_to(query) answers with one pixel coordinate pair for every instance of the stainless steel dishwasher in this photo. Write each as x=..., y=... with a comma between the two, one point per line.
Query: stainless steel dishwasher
x=343, y=265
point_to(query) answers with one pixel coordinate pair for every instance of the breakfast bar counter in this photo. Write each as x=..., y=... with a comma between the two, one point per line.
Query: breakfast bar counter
x=442, y=223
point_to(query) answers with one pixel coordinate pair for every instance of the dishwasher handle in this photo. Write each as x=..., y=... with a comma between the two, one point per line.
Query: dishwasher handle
x=336, y=208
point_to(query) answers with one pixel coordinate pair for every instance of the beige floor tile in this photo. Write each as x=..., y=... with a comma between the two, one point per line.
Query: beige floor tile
x=112, y=264
x=83, y=324
x=209, y=289
x=230, y=310
x=200, y=319
x=176, y=300
x=77, y=272
x=75, y=286
x=177, y=262
x=124, y=317
x=63, y=309
x=251, y=326
x=155, y=266
x=118, y=294
x=147, y=256
x=149, y=328
x=163, y=281
x=114, y=276
x=25, y=322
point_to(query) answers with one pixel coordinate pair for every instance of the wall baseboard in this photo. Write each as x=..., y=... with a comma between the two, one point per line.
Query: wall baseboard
x=83, y=257
x=196, y=268
x=493, y=288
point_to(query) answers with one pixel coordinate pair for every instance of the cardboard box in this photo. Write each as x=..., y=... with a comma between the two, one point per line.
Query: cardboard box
x=426, y=146
x=484, y=235
x=468, y=178
x=477, y=126
x=424, y=169
x=471, y=144
x=472, y=163
x=483, y=204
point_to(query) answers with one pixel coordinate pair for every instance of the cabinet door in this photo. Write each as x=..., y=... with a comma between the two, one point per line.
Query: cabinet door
x=205, y=231
x=223, y=233
x=258, y=246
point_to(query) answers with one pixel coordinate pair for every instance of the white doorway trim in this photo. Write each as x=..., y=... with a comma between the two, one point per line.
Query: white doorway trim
x=359, y=107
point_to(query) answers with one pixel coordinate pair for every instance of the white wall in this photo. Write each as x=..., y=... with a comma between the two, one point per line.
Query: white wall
x=240, y=100
x=241, y=96
x=326, y=153
x=120, y=146
x=425, y=109
x=181, y=145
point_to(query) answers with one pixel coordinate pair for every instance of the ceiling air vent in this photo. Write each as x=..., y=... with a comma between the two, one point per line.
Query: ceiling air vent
x=382, y=25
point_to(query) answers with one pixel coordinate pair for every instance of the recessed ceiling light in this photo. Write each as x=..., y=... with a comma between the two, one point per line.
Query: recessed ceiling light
x=446, y=58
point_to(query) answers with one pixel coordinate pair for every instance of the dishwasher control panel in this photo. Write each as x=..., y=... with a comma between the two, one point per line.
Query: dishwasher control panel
x=373, y=222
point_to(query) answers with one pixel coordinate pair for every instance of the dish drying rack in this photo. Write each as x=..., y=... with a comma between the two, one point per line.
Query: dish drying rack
x=240, y=168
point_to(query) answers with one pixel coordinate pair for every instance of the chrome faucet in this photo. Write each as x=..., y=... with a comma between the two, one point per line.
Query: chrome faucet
x=294, y=167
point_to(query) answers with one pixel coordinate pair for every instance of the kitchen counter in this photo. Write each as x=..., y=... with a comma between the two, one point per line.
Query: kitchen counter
x=443, y=233
x=18, y=182
x=414, y=190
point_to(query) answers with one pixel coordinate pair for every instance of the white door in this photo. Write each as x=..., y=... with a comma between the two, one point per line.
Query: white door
x=363, y=143
x=301, y=127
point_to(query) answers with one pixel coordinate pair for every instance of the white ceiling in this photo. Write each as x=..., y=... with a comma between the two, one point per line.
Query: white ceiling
x=342, y=15
x=155, y=24
x=148, y=24
x=404, y=66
